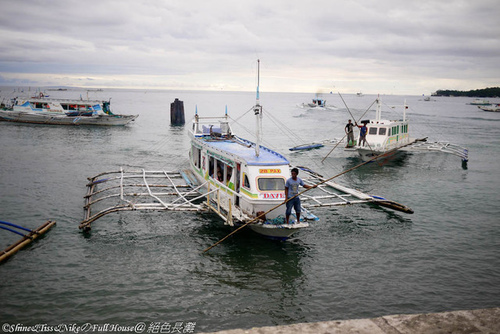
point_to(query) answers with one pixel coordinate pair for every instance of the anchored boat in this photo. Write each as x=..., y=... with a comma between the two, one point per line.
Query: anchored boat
x=251, y=178
x=383, y=138
x=41, y=110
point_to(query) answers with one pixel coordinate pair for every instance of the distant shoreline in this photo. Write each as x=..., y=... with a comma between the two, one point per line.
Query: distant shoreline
x=485, y=92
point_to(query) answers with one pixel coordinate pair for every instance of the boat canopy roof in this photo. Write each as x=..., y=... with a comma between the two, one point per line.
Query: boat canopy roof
x=62, y=101
x=245, y=150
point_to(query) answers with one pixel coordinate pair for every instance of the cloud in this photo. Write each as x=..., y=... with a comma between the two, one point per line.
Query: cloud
x=303, y=45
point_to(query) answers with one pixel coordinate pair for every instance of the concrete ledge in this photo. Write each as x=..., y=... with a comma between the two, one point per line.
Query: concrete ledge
x=456, y=322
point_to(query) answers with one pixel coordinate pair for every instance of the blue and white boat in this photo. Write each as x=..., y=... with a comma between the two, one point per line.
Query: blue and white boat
x=42, y=110
x=384, y=137
x=250, y=178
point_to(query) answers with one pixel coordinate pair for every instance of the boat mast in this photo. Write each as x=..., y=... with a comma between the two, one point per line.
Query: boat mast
x=404, y=111
x=378, y=114
x=258, y=113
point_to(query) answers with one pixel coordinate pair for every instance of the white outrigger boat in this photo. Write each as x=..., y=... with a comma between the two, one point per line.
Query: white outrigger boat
x=383, y=137
x=386, y=138
x=241, y=181
x=40, y=110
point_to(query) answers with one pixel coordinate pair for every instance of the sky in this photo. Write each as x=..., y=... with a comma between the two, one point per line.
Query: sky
x=385, y=46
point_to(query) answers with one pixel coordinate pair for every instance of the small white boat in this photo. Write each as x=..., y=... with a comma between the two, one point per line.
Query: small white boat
x=41, y=110
x=317, y=103
x=384, y=137
x=493, y=107
x=479, y=102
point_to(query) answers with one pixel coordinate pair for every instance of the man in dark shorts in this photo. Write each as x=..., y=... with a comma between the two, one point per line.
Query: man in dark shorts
x=350, y=133
x=292, y=189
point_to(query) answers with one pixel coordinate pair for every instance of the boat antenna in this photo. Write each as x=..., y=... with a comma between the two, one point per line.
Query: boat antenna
x=405, y=106
x=258, y=113
x=378, y=114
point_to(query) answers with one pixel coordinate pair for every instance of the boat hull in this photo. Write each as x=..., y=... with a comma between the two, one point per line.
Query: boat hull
x=277, y=232
x=57, y=119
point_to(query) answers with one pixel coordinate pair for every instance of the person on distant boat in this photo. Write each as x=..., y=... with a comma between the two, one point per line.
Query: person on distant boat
x=291, y=190
x=350, y=133
x=362, y=133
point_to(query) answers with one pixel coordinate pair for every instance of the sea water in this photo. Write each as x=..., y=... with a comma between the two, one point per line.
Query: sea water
x=148, y=269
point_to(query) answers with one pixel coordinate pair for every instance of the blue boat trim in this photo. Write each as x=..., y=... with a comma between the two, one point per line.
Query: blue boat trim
x=246, y=152
x=306, y=147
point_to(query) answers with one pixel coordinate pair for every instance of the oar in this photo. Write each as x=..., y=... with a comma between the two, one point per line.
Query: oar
x=289, y=199
x=346, y=133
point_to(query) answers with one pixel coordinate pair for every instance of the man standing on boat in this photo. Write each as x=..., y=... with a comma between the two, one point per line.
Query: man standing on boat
x=292, y=190
x=362, y=133
x=350, y=133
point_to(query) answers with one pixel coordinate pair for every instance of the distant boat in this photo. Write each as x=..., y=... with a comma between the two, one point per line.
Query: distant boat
x=492, y=107
x=317, y=103
x=63, y=112
x=479, y=102
x=359, y=94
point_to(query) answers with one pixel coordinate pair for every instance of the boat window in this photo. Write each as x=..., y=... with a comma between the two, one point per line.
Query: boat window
x=211, y=167
x=382, y=131
x=372, y=131
x=267, y=183
x=220, y=171
x=229, y=173
x=246, y=182
x=196, y=156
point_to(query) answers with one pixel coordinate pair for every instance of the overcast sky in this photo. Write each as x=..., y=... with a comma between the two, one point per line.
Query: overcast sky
x=383, y=46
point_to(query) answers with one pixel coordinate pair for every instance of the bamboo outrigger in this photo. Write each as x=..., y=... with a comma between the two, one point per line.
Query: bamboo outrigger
x=130, y=189
x=26, y=238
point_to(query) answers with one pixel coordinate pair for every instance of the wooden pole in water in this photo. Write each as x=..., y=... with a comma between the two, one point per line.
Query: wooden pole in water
x=177, y=112
x=26, y=240
x=386, y=203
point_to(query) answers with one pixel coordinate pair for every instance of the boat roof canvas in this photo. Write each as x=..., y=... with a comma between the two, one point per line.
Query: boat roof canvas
x=266, y=157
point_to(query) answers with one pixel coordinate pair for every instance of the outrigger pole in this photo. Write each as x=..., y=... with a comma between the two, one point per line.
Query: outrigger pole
x=25, y=240
x=392, y=205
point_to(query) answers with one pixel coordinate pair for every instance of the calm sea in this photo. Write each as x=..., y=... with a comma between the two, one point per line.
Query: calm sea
x=356, y=262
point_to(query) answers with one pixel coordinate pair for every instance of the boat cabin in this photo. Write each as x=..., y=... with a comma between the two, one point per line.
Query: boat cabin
x=385, y=134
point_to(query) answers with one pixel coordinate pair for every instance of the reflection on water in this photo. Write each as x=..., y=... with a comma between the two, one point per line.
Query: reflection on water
x=269, y=272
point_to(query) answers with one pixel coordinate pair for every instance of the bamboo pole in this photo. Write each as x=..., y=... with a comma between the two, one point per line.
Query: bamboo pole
x=26, y=240
x=314, y=186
